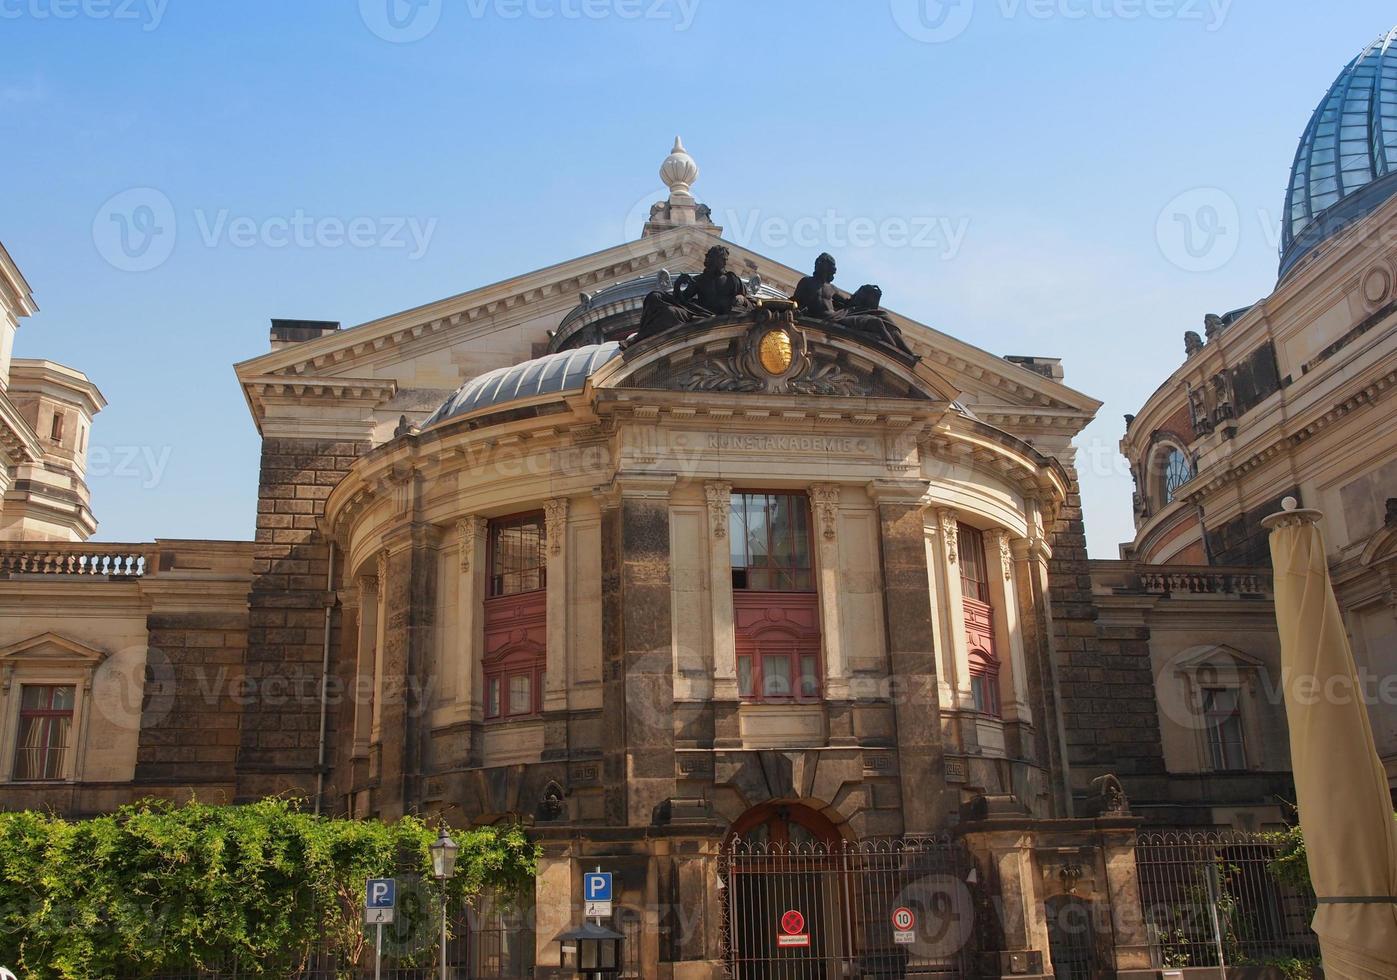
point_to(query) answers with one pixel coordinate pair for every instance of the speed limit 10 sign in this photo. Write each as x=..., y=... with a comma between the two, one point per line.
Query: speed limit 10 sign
x=904, y=926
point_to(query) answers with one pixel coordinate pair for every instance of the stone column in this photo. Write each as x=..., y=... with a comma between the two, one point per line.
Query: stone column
x=470, y=635
x=927, y=802
x=1132, y=950
x=554, y=904
x=824, y=500
x=638, y=655
x=380, y=621
x=366, y=672
x=555, y=675
x=1005, y=860
x=726, y=728
x=555, y=683
x=410, y=602
x=1040, y=669
x=1004, y=600
x=953, y=596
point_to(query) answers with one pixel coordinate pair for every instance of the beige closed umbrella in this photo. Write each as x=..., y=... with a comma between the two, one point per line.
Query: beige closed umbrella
x=1341, y=788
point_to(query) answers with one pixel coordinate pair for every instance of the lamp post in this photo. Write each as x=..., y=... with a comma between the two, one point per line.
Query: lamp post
x=443, y=869
x=593, y=950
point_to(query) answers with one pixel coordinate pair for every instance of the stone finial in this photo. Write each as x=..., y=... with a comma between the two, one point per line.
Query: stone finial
x=679, y=171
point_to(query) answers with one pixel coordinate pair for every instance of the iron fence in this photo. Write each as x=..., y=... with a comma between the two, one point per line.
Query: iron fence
x=878, y=908
x=1211, y=899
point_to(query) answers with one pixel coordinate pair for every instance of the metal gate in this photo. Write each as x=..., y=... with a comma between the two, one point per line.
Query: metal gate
x=817, y=911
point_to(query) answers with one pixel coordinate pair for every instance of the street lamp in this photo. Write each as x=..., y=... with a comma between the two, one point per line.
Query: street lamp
x=592, y=950
x=443, y=869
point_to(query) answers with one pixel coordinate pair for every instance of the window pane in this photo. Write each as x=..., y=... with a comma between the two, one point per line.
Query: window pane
x=492, y=707
x=770, y=543
x=744, y=677
x=776, y=676
x=521, y=701
x=809, y=677
x=517, y=555
x=978, y=691
x=974, y=581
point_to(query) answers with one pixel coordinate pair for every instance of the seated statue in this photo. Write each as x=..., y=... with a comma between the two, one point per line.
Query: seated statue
x=713, y=292
x=816, y=296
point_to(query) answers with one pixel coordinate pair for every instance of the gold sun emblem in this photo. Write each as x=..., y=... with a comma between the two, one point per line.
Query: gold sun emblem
x=775, y=352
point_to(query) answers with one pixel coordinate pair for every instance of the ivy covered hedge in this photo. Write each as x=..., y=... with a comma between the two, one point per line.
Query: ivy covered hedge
x=157, y=887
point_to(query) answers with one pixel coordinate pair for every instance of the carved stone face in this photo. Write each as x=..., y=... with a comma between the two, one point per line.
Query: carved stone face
x=715, y=261
x=825, y=267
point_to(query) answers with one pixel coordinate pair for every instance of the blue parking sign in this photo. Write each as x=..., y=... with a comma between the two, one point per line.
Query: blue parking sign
x=380, y=893
x=596, y=886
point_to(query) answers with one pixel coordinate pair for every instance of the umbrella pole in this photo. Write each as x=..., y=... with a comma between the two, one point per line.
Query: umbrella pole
x=1213, y=907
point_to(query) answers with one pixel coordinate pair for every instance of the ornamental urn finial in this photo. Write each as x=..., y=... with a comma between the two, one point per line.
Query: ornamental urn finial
x=679, y=170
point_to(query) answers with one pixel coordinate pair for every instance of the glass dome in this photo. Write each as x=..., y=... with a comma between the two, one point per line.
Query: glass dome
x=1346, y=165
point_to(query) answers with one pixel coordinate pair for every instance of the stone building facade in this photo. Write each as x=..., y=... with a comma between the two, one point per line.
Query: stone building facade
x=763, y=577
x=1290, y=396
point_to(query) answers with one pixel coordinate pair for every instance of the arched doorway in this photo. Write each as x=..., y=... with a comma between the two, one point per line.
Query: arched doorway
x=784, y=894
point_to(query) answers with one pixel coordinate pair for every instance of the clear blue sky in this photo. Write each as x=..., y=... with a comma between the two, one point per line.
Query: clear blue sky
x=1028, y=152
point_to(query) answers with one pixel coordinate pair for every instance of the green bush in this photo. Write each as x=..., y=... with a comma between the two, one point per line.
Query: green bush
x=156, y=886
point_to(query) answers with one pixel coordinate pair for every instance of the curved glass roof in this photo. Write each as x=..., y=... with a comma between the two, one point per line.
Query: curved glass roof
x=1346, y=154
x=551, y=374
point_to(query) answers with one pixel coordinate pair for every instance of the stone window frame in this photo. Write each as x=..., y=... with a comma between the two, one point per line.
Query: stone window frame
x=47, y=659
x=1201, y=672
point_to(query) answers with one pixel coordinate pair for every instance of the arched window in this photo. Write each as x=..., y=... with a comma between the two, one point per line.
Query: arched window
x=984, y=682
x=1177, y=472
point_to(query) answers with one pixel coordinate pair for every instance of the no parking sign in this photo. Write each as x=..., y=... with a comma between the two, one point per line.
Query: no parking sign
x=792, y=930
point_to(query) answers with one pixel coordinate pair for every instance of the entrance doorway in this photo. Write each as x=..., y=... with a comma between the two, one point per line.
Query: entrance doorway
x=802, y=902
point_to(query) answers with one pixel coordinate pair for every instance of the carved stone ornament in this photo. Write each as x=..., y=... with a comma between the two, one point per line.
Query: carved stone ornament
x=950, y=535
x=383, y=569
x=719, y=502
x=825, y=497
x=468, y=532
x=774, y=356
x=1006, y=555
x=556, y=516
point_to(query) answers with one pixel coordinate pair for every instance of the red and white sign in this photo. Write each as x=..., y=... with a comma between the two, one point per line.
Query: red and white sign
x=793, y=930
x=904, y=926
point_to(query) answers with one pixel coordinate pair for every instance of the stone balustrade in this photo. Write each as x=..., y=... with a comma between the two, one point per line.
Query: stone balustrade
x=76, y=559
x=1133, y=578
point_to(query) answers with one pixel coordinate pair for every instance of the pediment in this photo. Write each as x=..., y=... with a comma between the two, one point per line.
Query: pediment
x=1218, y=656
x=759, y=353
x=51, y=648
x=441, y=345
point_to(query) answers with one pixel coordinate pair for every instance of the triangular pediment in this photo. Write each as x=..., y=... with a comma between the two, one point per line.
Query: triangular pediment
x=51, y=648
x=1218, y=656
x=412, y=360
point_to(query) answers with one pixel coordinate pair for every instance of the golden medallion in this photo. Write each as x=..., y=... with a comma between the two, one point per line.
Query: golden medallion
x=774, y=352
